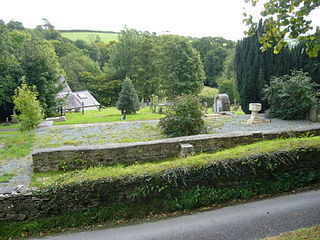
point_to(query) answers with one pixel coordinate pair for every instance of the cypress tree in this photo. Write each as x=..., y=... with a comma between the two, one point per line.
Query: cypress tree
x=128, y=99
x=255, y=68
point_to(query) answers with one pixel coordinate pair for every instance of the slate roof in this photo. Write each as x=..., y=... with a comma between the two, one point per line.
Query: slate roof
x=74, y=100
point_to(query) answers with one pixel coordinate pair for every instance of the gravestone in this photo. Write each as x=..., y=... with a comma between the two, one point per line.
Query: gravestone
x=221, y=103
x=314, y=113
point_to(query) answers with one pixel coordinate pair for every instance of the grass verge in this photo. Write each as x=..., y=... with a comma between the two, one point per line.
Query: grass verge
x=181, y=203
x=312, y=233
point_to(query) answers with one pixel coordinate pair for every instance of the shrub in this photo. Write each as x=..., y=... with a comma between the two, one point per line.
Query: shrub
x=184, y=118
x=128, y=99
x=290, y=96
x=25, y=101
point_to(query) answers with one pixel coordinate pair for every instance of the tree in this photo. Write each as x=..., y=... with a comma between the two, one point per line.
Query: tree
x=136, y=55
x=290, y=96
x=41, y=68
x=255, y=68
x=26, y=103
x=184, y=118
x=128, y=99
x=74, y=65
x=213, y=52
x=181, y=67
x=284, y=19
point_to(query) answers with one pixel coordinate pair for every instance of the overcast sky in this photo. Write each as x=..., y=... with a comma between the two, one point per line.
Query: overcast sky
x=195, y=18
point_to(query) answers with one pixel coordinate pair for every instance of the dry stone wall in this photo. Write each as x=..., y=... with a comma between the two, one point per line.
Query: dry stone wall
x=78, y=196
x=53, y=159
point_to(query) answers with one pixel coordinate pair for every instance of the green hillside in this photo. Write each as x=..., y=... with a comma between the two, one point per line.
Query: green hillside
x=88, y=36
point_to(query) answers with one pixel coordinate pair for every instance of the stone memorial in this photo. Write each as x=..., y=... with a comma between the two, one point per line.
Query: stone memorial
x=254, y=118
x=314, y=113
x=221, y=103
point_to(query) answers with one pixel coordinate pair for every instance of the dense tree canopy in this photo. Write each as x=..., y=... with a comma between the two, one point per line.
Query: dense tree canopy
x=135, y=56
x=24, y=55
x=213, y=52
x=287, y=19
x=181, y=67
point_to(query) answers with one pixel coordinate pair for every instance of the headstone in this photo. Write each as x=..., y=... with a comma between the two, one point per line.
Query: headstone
x=254, y=118
x=124, y=115
x=205, y=105
x=314, y=113
x=221, y=103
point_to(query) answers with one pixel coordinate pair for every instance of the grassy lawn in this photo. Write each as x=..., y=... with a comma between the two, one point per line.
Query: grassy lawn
x=60, y=177
x=110, y=114
x=88, y=36
x=312, y=233
x=15, y=145
x=209, y=92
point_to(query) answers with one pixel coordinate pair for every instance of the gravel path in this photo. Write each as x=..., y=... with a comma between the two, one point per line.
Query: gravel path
x=21, y=168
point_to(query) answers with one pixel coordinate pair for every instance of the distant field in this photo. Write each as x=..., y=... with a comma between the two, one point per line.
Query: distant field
x=88, y=36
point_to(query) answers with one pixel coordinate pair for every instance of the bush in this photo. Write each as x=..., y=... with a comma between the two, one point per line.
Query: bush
x=290, y=96
x=128, y=99
x=184, y=118
x=25, y=101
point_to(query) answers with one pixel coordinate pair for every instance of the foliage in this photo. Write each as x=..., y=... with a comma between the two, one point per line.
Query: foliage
x=255, y=68
x=135, y=55
x=74, y=65
x=213, y=52
x=229, y=86
x=41, y=68
x=181, y=67
x=144, y=207
x=290, y=96
x=184, y=118
x=287, y=19
x=24, y=55
x=128, y=99
x=30, y=111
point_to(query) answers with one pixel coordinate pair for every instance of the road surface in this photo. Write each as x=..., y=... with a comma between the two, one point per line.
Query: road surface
x=254, y=220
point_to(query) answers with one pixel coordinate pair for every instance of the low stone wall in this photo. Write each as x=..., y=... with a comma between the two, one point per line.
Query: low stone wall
x=53, y=159
x=78, y=196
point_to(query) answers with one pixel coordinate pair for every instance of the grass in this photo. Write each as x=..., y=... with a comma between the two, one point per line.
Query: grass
x=93, y=135
x=110, y=114
x=89, y=36
x=15, y=146
x=6, y=177
x=209, y=92
x=312, y=233
x=46, y=179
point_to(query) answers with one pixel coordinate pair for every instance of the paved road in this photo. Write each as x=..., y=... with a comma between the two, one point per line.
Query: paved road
x=253, y=220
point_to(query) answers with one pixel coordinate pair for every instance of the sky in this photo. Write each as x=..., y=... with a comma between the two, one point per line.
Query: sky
x=196, y=18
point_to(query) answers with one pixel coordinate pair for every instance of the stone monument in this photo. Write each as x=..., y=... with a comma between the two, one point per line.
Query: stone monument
x=221, y=103
x=314, y=113
x=254, y=118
